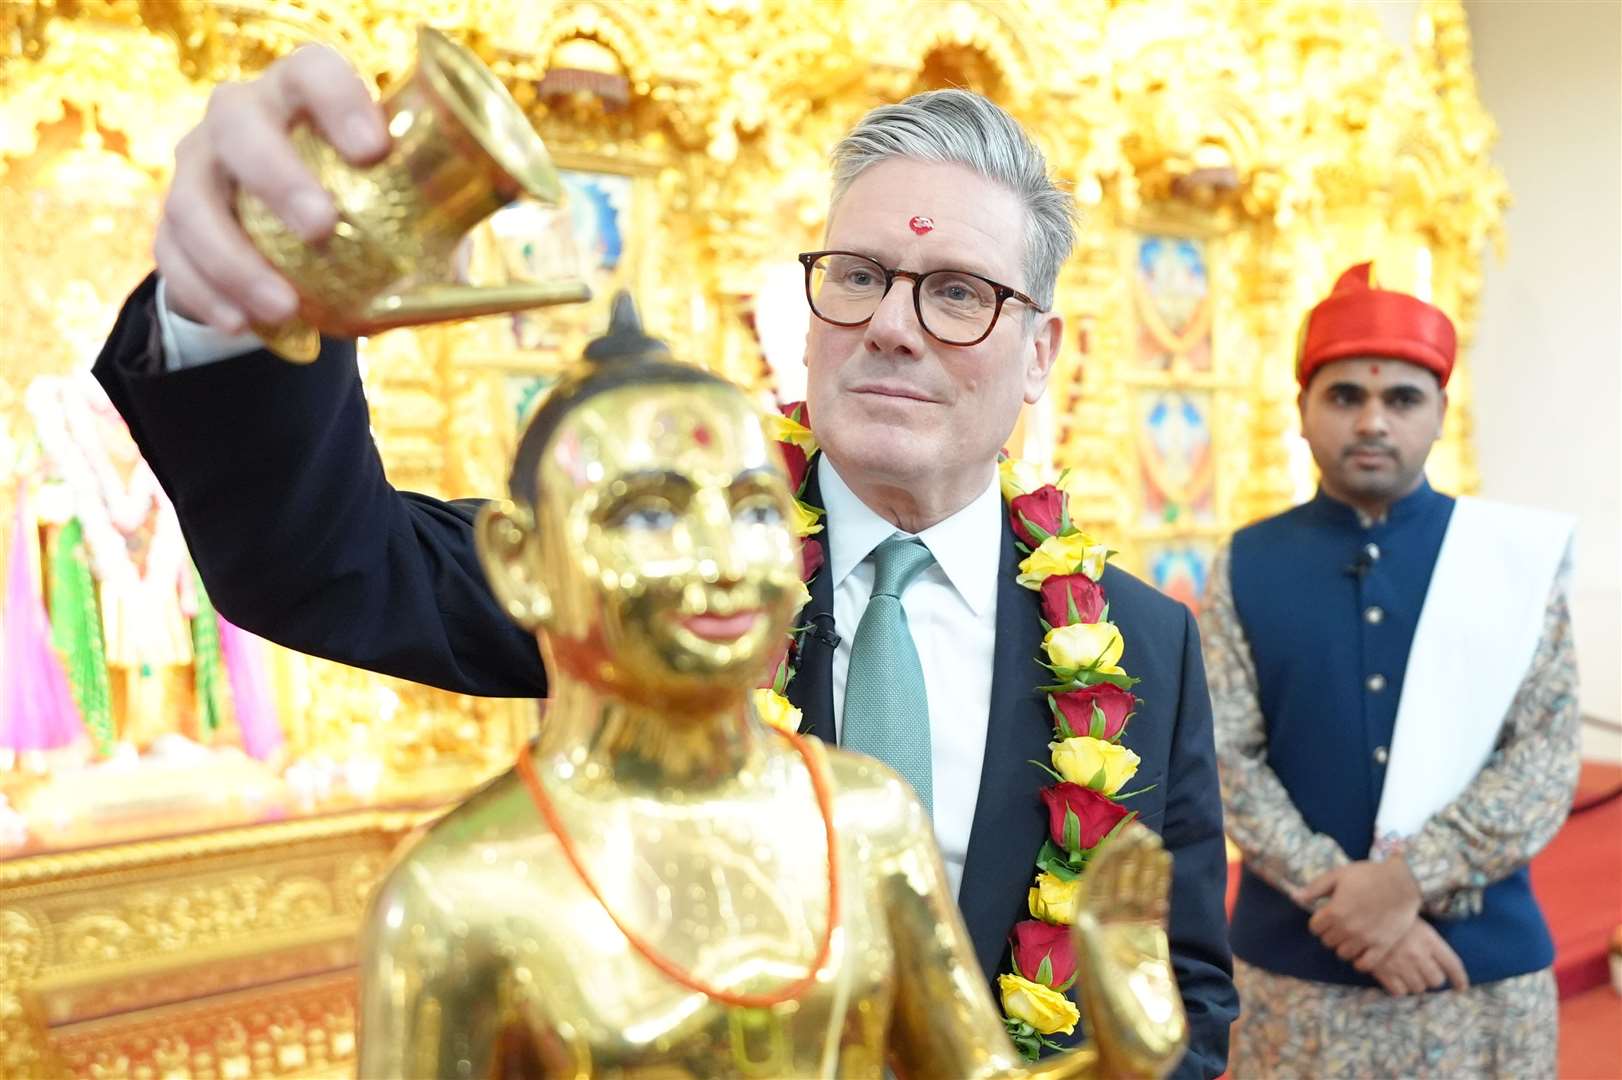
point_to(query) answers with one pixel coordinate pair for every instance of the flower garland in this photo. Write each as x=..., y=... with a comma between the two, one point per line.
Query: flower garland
x=1089, y=698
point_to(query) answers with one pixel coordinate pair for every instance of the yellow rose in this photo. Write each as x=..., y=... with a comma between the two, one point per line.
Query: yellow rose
x=780, y=428
x=775, y=710
x=1063, y=555
x=1053, y=899
x=803, y=598
x=1084, y=759
x=806, y=519
x=1045, y=1009
x=1017, y=478
x=1093, y=563
x=1096, y=645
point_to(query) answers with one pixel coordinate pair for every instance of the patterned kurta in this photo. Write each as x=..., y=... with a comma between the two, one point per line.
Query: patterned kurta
x=1290, y=1027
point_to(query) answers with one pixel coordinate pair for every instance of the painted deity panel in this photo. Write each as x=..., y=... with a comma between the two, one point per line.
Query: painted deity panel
x=1175, y=460
x=1180, y=569
x=1171, y=303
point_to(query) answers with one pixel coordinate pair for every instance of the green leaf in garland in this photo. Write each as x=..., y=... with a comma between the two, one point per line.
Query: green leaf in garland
x=1064, y=865
x=1099, y=779
x=1045, y=769
x=1060, y=721
x=1024, y=1038
x=1036, y=530
x=1072, y=612
x=1072, y=830
x=1044, y=972
x=1099, y=724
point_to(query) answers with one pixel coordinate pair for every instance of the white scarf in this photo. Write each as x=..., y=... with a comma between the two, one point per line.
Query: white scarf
x=1478, y=631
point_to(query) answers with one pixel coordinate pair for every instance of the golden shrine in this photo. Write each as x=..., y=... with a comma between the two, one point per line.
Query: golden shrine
x=1230, y=156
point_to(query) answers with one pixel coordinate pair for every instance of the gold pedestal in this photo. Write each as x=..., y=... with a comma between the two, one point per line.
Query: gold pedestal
x=226, y=954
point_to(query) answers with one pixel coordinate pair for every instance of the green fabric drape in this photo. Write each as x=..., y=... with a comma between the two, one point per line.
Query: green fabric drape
x=76, y=633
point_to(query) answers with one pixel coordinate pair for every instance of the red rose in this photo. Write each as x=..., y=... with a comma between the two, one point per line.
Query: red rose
x=793, y=456
x=1035, y=941
x=810, y=558
x=795, y=460
x=1115, y=703
x=1043, y=508
x=1095, y=814
x=1057, y=591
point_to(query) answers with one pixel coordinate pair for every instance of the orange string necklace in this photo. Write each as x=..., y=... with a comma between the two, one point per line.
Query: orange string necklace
x=819, y=783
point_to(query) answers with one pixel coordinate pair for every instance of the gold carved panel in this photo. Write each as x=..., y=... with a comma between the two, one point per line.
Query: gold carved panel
x=203, y=955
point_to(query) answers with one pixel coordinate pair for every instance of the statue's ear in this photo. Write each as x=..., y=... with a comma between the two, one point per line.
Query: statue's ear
x=504, y=535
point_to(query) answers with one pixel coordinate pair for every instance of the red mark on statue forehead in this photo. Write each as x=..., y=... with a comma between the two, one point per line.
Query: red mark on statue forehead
x=701, y=435
x=921, y=224
x=1374, y=369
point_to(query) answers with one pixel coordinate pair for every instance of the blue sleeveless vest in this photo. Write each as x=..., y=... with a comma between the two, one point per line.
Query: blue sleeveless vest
x=1329, y=609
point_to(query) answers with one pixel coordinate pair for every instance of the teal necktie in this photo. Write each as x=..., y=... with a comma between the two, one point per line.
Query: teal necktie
x=886, y=703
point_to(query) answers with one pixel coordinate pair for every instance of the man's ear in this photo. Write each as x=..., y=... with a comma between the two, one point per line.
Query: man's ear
x=504, y=535
x=1046, y=337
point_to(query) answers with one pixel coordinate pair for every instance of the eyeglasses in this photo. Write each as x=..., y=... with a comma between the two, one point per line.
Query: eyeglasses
x=954, y=307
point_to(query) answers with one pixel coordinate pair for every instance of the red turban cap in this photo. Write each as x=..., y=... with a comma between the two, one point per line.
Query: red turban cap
x=1356, y=320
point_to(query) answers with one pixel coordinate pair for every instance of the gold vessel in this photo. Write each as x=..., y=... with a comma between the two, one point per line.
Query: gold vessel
x=462, y=149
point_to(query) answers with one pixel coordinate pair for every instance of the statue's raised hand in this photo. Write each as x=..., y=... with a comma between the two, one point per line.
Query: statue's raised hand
x=1134, y=1012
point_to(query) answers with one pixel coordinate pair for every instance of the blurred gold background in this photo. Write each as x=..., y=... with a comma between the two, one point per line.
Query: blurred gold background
x=1230, y=158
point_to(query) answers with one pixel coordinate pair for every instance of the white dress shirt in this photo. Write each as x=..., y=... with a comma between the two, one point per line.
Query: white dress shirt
x=951, y=610
x=191, y=344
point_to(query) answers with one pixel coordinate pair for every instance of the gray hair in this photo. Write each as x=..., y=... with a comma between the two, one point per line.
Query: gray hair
x=967, y=129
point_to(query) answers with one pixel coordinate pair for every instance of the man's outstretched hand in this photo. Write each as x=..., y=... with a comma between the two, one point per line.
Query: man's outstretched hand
x=212, y=273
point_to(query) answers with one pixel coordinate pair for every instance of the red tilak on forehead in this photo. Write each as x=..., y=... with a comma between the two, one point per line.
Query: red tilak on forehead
x=1374, y=369
x=701, y=434
x=920, y=224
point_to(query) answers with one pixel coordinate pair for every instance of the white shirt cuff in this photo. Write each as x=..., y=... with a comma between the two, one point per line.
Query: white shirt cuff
x=188, y=344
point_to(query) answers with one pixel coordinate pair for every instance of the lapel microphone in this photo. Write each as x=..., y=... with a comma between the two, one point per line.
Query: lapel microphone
x=824, y=634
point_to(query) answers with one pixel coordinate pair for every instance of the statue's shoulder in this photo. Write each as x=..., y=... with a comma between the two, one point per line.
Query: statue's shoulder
x=873, y=798
x=496, y=812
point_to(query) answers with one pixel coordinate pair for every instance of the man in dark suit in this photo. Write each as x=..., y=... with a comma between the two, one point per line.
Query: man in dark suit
x=912, y=390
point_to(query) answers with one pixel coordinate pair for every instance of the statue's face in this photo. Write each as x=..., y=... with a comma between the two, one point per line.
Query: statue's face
x=665, y=544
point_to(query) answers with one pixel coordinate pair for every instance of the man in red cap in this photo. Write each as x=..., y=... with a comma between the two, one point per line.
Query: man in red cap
x=1394, y=683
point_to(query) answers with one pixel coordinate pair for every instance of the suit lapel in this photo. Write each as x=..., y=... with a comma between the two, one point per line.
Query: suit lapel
x=812, y=691
x=1008, y=817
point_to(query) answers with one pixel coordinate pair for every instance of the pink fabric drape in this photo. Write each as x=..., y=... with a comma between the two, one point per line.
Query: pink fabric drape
x=254, y=702
x=37, y=711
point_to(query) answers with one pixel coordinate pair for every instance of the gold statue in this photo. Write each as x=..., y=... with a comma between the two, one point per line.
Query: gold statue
x=462, y=150
x=664, y=885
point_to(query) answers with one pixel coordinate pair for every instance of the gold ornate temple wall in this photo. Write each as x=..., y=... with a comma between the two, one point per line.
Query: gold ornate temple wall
x=1230, y=157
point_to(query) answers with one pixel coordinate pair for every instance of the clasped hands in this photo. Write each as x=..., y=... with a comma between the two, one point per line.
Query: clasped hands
x=1368, y=913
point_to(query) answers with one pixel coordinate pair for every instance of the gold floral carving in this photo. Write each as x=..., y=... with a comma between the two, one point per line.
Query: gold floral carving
x=179, y=925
